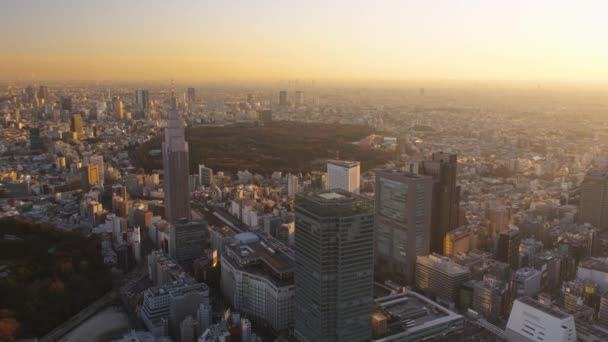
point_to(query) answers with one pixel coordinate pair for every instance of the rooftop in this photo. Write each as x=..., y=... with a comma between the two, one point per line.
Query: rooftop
x=442, y=263
x=544, y=308
x=409, y=312
x=262, y=257
x=598, y=264
x=344, y=163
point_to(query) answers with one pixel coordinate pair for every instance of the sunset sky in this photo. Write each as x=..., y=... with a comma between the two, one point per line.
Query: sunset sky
x=272, y=39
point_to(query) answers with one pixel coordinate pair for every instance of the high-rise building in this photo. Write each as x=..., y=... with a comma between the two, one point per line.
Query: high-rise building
x=440, y=277
x=188, y=240
x=488, y=295
x=117, y=107
x=187, y=329
x=43, y=93
x=35, y=139
x=258, y=280
x=97, y=159
x=66, y=103
x=265, y=115
x=403, y=222
x=292, y=185
x=176, y=168
x=457, y=241
x=173, y=303
x=299, y=101
x=594, y=199
x=191, y=95
x=603, y=313
x=142, y=99
x=334, y=267
x=345, y=175
x=446, y=195
x=205, y=175
x=30, y=94
x=283, y=98
x=90, y=176
x=185, y=301
x=526, y=282
x=533, y=321
x=76, y=125
x=508, y=247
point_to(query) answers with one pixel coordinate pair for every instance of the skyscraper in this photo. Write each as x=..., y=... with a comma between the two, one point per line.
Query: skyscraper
x=142, y=99
x=205, y=175
x=283, y=98
x=66, y=103
x=334, y=267
x=43, y=93
x=97, y=159
x=446, y=196
x=191, y=95
x=176, y=167
x=508, y=247
x=35, y=139
x=403, y=221
x=90, y=176
x=117, y=106
x=299, y=98
x=188, y=240
x=345, y=175
x=76, y=125
x=594, y=199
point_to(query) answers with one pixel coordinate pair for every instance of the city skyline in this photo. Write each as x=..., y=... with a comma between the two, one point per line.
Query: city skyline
x=235, y=40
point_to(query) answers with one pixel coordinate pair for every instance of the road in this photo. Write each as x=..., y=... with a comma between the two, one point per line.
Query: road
x=80, y=317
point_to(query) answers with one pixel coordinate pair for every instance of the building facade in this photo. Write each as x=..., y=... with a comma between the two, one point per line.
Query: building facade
x=345, y=175
x=402, y=222
x=334, y=267
x=176, y=168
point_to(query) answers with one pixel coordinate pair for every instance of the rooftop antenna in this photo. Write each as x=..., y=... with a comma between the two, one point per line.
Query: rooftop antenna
x=172, y=88
x=337, y=154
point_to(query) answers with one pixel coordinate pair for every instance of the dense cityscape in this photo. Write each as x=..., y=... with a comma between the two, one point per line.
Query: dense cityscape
x=303, y=171
x=485, y=228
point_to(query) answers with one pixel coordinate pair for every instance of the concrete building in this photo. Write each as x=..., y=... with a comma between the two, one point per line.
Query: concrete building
x=533, y=321
x=402, y=222
x=142, y=99
x=90, y=176
x=596, y=270
x=446, y=195
x=205, y=175
x=413, y=317
x=188, y=240
x=258, y=280
x=593, y=206
x=172, y=303
x=292, y=185
x=440, y=277
x=185, y=301
x=507, y=249
x=176, y=168
x=488, y=295
x=345, y=175
x=526, y=282
x=457, y=241
x=334, y=269
x=299, y=98
x=283, y=98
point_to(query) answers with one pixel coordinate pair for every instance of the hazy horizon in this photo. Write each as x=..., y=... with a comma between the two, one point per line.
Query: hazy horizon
x=272, y=40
